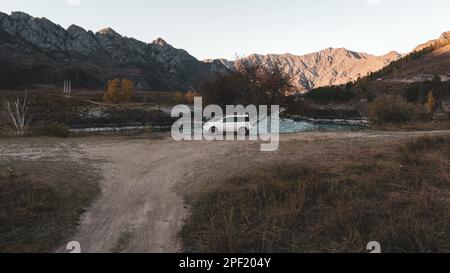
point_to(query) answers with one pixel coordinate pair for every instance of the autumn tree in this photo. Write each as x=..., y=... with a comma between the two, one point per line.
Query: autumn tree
x=119, y=91
x=126, y=90
x=189, y=97
x=431, y=102
x=178, y=98
x=112, y=94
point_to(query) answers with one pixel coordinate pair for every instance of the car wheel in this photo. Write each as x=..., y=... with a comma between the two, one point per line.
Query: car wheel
x=243, y=131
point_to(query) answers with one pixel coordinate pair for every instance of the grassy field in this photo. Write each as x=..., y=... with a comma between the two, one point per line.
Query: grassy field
x=41, y=202
x=397, y=195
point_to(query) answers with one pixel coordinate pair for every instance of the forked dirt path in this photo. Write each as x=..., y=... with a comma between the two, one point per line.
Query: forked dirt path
x=141, y=207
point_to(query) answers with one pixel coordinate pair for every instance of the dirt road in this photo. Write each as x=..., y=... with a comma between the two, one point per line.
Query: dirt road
x=141, y=207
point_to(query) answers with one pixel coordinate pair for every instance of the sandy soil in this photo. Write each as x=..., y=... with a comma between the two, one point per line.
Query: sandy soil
x=142, y=206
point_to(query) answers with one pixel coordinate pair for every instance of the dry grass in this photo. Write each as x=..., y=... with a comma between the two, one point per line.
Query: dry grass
x=416, y=126
x=399, y=198
x=41, y=203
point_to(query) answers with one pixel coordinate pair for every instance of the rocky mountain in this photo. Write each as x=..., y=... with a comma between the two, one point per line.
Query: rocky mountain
x=332, y=66
x=35, y=50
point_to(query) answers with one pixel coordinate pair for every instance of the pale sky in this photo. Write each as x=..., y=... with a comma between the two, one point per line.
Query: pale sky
x=222, y=29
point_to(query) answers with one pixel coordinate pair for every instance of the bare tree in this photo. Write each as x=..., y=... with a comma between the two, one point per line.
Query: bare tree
x=250, y=83
x=16, y=115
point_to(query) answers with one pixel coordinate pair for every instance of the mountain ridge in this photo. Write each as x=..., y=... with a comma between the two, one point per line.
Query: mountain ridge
x=330, y=66
x=98, y=56
x=36, y=50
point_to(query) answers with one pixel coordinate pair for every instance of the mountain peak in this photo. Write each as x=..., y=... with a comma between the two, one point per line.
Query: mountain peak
x=19, y=15
x=392, y=54
x=75, y=28
x=445, y=36
x=160, y=42
x=109, y=31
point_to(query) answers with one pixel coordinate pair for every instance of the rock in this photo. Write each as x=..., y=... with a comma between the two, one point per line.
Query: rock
x=38, y=31
x=82, y=41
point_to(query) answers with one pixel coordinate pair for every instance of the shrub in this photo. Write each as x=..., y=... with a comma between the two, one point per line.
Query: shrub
x=53, y=130
x=330, y=94
x=15, y=115
x=436, y=78
x=412, y=93
x=390, y=109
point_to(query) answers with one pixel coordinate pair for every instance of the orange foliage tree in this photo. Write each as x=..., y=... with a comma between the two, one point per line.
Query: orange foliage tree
x=431, y=102
x=126, y=90
x=119, y=91
x=178, y=98
x=112, y=91
x=189, y=97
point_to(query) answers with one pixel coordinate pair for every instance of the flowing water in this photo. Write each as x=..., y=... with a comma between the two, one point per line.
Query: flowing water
x=286, y=126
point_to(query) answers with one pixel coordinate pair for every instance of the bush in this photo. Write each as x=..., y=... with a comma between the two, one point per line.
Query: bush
x=413, y=93
x=390, y=109
x=330, y=94
x=53, y=130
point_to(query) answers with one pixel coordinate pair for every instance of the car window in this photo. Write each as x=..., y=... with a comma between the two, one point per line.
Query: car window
x=229, y=120
x=242, y=119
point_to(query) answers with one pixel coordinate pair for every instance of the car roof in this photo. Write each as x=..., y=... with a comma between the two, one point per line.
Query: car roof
x=237, y=116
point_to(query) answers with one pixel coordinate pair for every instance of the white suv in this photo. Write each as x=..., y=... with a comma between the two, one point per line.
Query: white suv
x=240, y=124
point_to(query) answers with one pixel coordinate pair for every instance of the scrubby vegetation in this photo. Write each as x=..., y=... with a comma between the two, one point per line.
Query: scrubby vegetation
x=419, y=92
x=41, y=203
x=52, y=130
x=400, y=201
x=330, y=94
x=390, y=109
